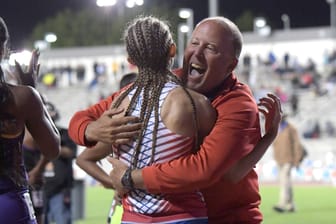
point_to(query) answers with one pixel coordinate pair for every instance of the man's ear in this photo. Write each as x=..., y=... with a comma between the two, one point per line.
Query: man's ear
x=233, y=64
x=130, y=61
x=172, y=50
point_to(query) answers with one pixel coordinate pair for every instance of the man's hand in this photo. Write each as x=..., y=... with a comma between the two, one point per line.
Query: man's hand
x=28, y=78
x=270, y=107
x=112, y=130
x=118, y=170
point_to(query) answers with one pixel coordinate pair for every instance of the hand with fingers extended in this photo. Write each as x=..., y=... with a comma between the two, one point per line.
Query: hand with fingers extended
x=28, y=78
x=113, y=130
x=270, y=107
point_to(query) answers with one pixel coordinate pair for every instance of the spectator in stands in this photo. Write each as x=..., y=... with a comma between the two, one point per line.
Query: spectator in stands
x=294, y=103
x=330, y=128
x=312, y=129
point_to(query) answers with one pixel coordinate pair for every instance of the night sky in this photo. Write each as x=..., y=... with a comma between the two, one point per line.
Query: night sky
x=21, y=15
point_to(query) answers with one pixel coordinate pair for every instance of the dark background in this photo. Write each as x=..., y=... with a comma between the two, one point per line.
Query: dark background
x=22, y=15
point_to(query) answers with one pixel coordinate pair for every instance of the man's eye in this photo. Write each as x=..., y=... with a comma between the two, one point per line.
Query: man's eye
x=211, y=48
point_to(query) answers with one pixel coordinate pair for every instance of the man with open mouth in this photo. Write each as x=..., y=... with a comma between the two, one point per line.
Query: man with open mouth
x=209, y=60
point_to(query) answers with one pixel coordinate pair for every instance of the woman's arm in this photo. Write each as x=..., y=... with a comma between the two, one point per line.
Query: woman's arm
x=37, y=119
x=88, y=159
x=39, y=123
x=36, y=174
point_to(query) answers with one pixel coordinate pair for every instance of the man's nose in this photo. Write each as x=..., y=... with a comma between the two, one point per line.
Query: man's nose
x=199, y=51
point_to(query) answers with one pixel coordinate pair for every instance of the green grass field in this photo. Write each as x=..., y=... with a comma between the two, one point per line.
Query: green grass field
x=315, y=205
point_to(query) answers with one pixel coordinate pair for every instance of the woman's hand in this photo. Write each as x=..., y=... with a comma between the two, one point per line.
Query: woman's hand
x=28, y=78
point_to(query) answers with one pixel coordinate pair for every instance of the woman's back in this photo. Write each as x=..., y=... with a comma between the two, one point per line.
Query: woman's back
x=181, y=117
x=175, y=137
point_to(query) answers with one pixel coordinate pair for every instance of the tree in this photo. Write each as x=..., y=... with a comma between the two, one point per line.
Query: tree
x=93, y=27
x=245, y=21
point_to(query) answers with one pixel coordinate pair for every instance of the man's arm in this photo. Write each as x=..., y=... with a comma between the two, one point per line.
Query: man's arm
x=269, y=106
x=234, y=135
x=81, y=119
x=97, y=123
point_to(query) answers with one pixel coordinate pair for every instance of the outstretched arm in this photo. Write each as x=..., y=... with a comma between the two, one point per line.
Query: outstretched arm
x=40, y=124
x=270, y=107
x=38, y=120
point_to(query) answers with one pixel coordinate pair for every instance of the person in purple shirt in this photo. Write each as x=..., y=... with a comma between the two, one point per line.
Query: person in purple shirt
x=21, y=107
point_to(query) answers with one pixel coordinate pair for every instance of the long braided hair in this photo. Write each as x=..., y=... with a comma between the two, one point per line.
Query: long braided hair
x=5, y=93
x=148, y=41
x=6, y=96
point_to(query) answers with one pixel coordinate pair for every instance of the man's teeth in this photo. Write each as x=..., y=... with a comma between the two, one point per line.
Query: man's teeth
x=196, y=66
x=196, y=69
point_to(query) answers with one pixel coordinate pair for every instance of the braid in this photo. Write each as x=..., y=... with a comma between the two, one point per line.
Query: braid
x=156, y=98
x=144, y=117
x=148, y=42
x=6, y=96
x=196, y=123
x=5, y=93
x=131, y=45
x=175, y=79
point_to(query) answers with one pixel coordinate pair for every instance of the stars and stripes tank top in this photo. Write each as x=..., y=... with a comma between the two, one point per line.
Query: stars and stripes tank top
x=140, y=205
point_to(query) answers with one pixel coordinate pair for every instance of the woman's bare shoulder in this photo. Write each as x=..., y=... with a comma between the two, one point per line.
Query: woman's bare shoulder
x=26, y=98
x=180, y=97
x=23, y=92
x=178, y=112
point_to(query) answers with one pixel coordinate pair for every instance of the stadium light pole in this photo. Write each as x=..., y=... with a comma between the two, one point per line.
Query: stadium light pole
x=120, y=8
x=286, y=21
x=332, y=4
x=260, y=27
x=50, y=38
x=188, y=14
x=182, y=30
x=106, y=3
x=128, y=4
x=213, y=7
x=258, y=23
x=45, y=44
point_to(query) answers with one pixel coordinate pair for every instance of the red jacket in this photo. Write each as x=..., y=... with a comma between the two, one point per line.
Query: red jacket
x=234, y=135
